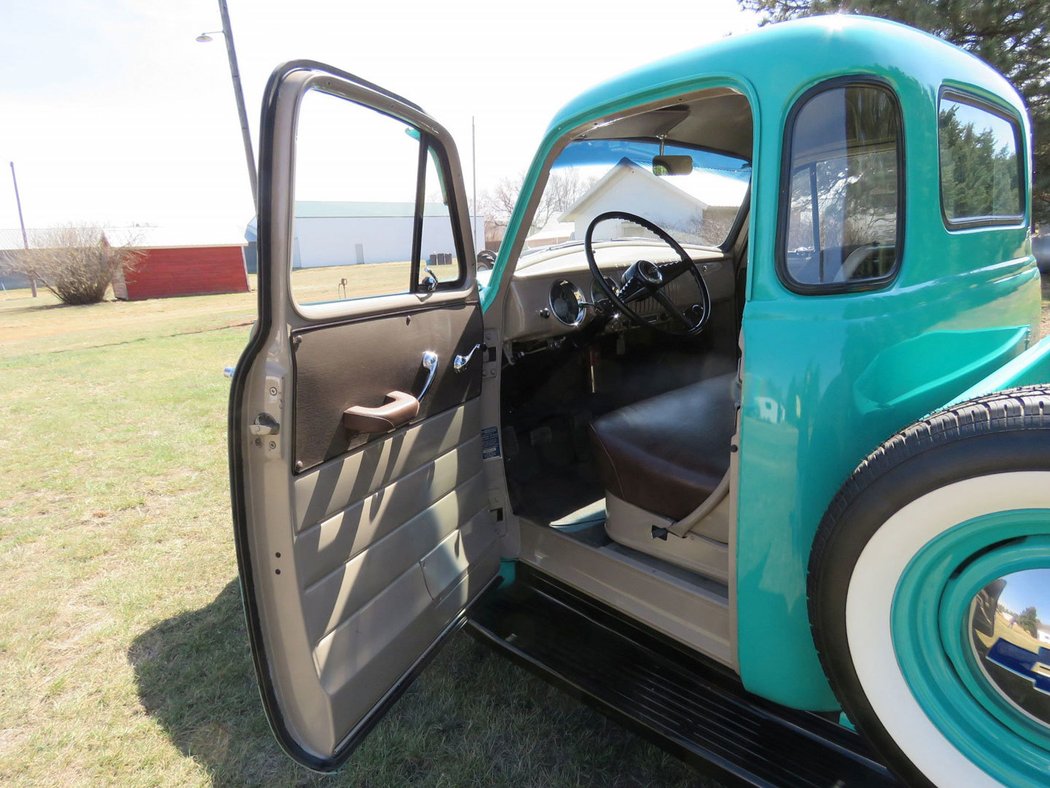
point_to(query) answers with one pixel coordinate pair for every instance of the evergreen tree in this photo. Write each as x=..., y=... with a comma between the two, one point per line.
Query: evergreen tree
x=1011, y=35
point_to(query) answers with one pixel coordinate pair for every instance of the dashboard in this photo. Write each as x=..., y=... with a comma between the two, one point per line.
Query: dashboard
x=553, y=293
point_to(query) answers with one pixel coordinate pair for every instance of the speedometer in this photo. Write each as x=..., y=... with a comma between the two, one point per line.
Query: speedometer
x=567, y=303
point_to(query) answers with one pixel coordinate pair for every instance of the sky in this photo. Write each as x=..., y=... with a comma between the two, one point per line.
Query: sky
x=113, y=114
x=1030, y=588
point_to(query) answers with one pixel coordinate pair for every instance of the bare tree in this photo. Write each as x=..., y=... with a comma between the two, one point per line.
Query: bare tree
x=561, y=193
x=75, y=263
x=563, y=189
x=497, y=203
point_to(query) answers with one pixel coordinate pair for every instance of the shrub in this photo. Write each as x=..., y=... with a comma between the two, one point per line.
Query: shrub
x=77, y=264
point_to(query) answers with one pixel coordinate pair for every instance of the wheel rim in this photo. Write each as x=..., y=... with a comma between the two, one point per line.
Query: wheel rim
x=933, y=640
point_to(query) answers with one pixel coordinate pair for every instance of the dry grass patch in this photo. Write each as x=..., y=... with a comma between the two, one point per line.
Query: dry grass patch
x=44, y=325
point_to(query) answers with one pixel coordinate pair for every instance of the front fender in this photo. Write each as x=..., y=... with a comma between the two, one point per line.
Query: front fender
x=1027, y=369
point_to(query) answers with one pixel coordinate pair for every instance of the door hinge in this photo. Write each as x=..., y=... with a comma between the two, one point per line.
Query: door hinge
x=490, y=354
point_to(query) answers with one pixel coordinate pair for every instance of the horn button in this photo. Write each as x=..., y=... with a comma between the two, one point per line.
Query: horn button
x=649, y=273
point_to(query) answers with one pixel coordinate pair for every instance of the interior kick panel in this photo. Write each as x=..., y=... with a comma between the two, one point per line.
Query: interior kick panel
x=339, y=366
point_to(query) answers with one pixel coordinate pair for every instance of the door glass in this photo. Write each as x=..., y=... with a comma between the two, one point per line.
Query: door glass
x=438, y=251
x=357, y=176
x=844, y=201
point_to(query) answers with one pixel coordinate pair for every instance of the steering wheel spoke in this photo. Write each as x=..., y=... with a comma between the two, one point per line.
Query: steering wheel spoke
x=675, y=269
x=673, y=311
x=646, y=279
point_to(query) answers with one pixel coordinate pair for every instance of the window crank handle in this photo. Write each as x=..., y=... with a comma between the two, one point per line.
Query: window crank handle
x=460, y=362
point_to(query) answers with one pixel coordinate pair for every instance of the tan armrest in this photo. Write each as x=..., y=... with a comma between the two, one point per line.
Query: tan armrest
x=400, y=408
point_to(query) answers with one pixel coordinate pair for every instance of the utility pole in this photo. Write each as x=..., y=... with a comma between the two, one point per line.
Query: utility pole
x=22, y=224
x=238, y=95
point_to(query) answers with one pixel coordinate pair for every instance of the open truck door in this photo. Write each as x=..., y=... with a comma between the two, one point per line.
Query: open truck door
x=361, y=512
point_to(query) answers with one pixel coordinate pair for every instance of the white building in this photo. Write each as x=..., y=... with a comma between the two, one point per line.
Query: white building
x=682, y=203
x=350, y=233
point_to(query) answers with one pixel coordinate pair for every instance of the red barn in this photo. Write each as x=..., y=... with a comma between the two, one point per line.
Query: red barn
x=179, y=263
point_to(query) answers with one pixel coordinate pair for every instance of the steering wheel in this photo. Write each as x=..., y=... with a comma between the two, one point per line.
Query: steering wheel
x=486, y=260
x=645, y=279
x=858, y=257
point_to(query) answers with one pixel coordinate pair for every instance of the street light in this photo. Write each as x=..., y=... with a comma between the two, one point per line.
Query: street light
x=238, y=94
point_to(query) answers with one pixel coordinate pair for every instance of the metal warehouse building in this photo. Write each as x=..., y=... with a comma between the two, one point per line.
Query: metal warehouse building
x=351, y=233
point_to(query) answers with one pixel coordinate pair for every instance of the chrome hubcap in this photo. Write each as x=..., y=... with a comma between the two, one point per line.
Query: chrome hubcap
x=1009, y=629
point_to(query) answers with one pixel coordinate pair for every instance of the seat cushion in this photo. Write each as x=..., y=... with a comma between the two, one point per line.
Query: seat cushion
x=667, y=454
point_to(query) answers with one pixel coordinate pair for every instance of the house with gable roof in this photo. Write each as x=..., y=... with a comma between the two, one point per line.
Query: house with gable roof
x=691, y=205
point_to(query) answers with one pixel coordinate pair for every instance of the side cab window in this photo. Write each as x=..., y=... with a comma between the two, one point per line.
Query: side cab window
x=981, y=163
x=842, y=190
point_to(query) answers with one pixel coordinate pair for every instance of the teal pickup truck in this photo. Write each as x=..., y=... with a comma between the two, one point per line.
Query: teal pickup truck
x=743, y=436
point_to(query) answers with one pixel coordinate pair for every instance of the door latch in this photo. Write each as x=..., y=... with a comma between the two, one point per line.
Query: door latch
x=264, y=424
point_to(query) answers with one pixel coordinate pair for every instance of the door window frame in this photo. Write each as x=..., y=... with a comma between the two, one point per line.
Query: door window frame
x=371, y=97
x=784, y=199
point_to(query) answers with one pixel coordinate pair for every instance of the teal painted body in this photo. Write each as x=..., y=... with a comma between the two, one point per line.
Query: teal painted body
x=827, y=378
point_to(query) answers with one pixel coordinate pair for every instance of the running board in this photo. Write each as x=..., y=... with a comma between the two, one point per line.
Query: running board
x=694, y=708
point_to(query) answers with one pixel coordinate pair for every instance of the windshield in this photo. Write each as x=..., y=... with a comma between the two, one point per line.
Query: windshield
x=697, y=206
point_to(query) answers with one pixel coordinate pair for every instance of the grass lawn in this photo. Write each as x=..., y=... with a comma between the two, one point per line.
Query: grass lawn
x=123, y=656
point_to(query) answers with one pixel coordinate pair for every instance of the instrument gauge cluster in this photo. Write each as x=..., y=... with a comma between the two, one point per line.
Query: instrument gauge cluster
x=567, y=303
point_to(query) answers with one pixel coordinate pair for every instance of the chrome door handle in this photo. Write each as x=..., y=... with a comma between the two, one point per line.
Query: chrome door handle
x=430, y=364
x=459, y=362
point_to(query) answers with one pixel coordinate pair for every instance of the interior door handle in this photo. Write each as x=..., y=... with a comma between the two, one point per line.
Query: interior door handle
x=399, y=407
x=430, y=364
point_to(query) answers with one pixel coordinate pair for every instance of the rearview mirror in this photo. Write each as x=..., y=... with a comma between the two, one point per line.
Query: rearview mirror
x=672, y=165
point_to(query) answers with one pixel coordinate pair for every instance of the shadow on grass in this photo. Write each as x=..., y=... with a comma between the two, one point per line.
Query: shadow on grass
x=34, y=306
x=472, y=718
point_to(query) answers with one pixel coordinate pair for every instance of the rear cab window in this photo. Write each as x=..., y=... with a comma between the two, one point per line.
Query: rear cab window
x=981, y=163
x=842, y=190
